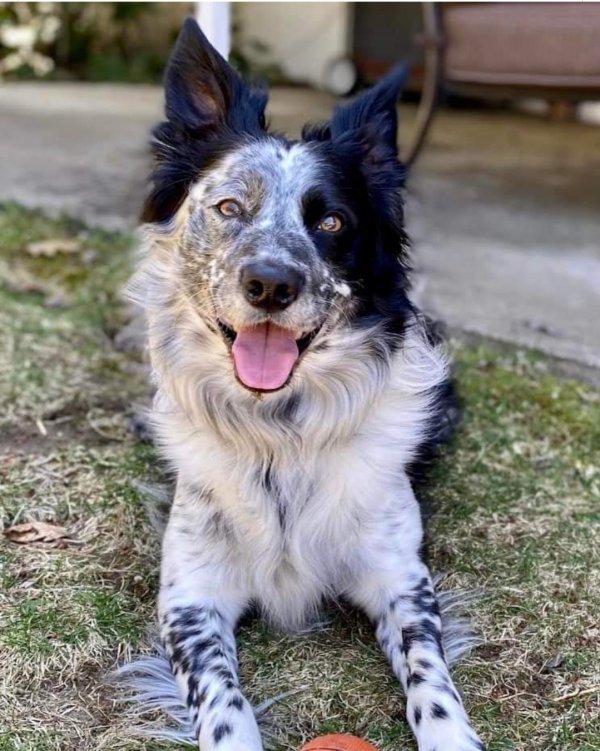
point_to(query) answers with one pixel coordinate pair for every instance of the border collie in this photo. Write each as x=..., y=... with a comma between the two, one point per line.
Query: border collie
x=296, y=384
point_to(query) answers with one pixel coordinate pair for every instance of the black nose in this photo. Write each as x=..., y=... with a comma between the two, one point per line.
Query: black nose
x=271, y=286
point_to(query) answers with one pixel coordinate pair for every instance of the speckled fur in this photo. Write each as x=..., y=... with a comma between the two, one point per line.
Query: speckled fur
x=286, y=498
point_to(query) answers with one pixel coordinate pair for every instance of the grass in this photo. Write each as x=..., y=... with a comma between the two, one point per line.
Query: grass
x=514, y=511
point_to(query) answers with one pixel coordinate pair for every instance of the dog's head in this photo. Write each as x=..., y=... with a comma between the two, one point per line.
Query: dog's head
x=281, y=242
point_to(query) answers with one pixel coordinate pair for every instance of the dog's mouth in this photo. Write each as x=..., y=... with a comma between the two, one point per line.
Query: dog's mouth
x=265, y=355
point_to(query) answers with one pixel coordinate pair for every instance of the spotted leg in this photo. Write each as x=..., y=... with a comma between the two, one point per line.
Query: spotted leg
x=198, y=610
x=399, y=597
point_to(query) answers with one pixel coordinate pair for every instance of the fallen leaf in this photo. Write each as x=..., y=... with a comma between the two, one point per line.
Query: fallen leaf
x=22, y=281
x=51, y=248
x=29, y=532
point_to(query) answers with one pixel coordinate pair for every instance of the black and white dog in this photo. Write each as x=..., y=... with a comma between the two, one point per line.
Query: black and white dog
x=296, y=384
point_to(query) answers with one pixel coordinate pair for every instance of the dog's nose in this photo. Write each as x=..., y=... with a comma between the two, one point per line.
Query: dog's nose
x=271, y=286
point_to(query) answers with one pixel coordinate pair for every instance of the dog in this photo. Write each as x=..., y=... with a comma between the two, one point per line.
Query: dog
x=296, y=386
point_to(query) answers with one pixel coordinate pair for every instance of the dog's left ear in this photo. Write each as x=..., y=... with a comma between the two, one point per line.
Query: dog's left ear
x=367, y=126
x=372, y=115
x=203, y=92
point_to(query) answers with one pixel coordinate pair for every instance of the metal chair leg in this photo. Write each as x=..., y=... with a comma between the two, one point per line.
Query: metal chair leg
x=432, y=42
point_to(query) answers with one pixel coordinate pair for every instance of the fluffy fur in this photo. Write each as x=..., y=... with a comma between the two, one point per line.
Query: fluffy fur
x=288, y=496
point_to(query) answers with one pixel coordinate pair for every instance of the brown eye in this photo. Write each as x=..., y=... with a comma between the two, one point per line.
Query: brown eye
x=229, y=208
x=331, y=223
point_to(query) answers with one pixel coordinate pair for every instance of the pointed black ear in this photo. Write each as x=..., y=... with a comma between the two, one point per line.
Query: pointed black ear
x=203, y=91
x=373, y=114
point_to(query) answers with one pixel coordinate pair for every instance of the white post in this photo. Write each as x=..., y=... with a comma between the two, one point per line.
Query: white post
x=215, y=21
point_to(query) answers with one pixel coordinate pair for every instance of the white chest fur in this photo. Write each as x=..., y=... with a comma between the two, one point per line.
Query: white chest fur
x=293, y=511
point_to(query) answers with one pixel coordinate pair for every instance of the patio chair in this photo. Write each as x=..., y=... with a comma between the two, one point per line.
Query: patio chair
x=507, y=50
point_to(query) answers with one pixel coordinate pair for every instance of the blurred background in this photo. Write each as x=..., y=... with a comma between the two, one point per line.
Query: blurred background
x=500, y=124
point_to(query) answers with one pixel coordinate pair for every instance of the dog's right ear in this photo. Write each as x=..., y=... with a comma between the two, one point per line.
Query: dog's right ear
x=203, y=92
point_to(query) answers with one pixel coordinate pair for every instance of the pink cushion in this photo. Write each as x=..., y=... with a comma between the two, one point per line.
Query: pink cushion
x=538, y=44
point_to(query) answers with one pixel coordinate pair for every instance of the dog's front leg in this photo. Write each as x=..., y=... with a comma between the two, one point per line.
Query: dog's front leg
x=199, y=606
x=396, y=591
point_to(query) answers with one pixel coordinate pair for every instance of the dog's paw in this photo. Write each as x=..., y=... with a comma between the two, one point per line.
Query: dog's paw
x=449, y=736
x=228, y=732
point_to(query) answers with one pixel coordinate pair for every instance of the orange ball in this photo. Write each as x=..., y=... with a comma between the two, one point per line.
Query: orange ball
x=337, y=742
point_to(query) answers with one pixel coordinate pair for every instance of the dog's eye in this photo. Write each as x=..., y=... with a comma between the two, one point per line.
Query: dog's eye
x=229, y=208
x=331, y=223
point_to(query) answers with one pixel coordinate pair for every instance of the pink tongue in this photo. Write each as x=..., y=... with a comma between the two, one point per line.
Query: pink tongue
x=264, y=356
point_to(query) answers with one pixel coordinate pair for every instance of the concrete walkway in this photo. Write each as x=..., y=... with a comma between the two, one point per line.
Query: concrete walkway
x=504, y=209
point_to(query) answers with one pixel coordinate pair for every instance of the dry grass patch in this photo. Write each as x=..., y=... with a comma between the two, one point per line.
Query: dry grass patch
x=514, y=512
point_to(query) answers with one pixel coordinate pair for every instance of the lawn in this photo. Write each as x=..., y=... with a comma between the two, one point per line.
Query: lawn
x=514, y=510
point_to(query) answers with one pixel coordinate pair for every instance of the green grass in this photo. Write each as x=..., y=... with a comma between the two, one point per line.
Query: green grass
x=514, y=507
